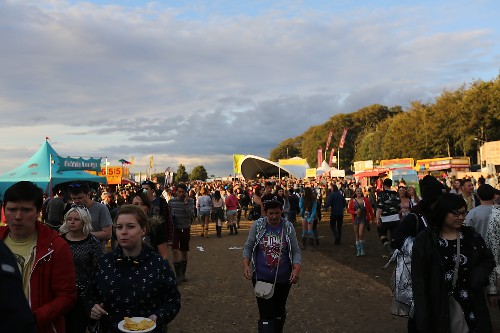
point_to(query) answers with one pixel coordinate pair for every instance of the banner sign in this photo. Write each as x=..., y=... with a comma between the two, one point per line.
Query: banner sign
x=311, y=173
x=320, y=157
x=68, y=163
x=293, y=161
x=329, y=140
x=332, y=154
x=363, y=165
x=114, y=175
x=397, y=163
x=342, y=139
x=237, y=159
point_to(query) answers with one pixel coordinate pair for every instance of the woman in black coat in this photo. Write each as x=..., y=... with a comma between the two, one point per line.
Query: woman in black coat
x=433, y=262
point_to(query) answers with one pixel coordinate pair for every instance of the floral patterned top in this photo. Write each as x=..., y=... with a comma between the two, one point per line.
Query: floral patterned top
x=493, y=243
x=448, y=253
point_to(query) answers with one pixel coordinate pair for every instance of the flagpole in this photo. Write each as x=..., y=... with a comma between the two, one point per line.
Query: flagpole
x=338, y=159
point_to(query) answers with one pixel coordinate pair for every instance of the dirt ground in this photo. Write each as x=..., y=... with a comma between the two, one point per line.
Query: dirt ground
x=338, y=292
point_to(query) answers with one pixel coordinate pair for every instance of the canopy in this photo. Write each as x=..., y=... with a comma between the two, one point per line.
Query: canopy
x=37, y=170
x=254, y=166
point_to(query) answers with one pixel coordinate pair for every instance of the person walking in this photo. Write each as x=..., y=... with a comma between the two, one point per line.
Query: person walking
x=133, y=280
x=337, y=203
x=362, y=214
x=450, y=264
x=204, y=206
x=271, y=254
x=86, y=249
x=182, y=209
x=308, y=205
x=232, y=205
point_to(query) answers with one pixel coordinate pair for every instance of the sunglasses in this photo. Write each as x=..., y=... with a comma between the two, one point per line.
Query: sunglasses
x=75, y=185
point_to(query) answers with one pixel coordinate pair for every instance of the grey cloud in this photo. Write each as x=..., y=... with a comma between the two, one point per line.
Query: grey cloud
x=152, y=83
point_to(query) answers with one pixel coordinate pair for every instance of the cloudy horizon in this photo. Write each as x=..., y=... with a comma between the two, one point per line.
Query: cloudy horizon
x=195, y=82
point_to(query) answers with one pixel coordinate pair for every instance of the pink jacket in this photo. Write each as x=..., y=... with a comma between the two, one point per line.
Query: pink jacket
x=52, y=280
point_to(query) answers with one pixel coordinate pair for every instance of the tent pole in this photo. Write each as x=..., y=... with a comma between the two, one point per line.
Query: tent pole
x=50, y=175
x=106, y=171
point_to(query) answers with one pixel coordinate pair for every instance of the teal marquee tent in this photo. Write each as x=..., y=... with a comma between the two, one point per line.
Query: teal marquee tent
x=37, y=169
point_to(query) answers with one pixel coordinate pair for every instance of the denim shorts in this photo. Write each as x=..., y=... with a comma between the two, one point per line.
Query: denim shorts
x=231, y=212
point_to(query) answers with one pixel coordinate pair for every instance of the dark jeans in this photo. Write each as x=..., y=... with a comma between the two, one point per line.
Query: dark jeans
x=336, y=225
x=275, y=307
x=78, y=318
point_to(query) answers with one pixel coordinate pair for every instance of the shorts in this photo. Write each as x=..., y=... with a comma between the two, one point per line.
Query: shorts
x=359, y=221
x=181, y=239
x=231, y=212
x=204, y=213
x=388, y=227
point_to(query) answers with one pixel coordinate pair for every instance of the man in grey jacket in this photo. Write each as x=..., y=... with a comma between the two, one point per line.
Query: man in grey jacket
x=182, y=210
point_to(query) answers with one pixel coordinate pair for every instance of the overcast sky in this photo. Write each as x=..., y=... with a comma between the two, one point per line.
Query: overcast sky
x=194, y=82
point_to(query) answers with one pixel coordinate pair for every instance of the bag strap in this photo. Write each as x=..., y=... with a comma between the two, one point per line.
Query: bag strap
x=457, y=262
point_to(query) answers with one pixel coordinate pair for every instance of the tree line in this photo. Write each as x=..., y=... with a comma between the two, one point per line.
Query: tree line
x=456, y=124
x=198, y=173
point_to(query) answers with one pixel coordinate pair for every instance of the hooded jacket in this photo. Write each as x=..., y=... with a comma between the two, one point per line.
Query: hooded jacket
x=52, y=279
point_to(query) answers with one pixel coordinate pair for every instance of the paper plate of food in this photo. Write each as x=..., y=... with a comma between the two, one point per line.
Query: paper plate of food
x=136, y=325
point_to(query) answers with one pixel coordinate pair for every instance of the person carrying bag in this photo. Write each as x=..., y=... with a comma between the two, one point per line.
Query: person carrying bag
x=272, y=259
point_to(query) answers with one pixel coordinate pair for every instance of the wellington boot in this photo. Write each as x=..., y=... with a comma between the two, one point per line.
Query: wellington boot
x=219, y=231
x=231, y=232
x=304, y=243
x=358, y=249
x=235, y=229
x=183, y=270
x=361, y=248
x=312, y=242
x=178, y=271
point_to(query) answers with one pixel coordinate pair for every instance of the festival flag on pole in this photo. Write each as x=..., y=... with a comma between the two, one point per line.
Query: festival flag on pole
x=329, y=140
x=123, y=161
x=320, y=157
x=332, y=153
x=342, y=139
x=151, y=164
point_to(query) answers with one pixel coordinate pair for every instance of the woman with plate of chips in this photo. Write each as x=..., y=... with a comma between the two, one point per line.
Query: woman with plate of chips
x=132, y=281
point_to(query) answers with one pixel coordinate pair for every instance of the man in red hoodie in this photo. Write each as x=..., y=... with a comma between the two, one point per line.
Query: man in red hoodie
x=43, y=257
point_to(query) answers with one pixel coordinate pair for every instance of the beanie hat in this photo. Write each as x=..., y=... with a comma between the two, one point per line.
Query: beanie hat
x=431, y=188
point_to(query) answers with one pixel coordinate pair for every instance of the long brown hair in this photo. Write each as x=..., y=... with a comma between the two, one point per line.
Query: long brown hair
x=308, y=199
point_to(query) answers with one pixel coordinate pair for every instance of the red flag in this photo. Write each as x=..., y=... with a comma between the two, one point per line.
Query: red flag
x=320, y=157
x=329, y=140
x=331, y=157
x=342, y=139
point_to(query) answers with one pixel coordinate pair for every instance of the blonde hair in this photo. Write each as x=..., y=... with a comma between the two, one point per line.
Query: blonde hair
x=84, y=217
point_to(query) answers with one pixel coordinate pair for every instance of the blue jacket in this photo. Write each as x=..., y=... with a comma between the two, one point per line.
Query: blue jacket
x=337, y=201
x=312, y=213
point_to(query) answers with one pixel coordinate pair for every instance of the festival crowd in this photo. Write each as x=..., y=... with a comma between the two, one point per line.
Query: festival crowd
x=86, y=258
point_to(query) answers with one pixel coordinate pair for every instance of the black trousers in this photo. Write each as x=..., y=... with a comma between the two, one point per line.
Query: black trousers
x=78, y=318
x=336, y=226
x=275, y=307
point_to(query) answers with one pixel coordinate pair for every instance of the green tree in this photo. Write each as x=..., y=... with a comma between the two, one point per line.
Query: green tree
x=181, y=175
x=287, y=149
x=198, y=173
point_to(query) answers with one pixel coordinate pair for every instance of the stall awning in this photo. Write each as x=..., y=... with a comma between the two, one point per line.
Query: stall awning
x=368, y=174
